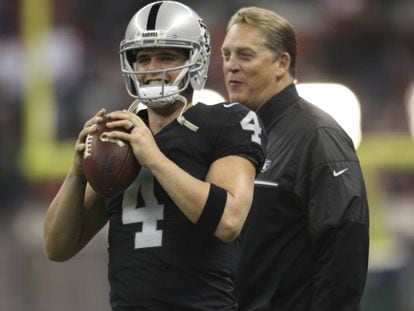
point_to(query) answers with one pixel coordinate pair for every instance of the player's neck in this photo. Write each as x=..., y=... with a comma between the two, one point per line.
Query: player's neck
x=161, y=117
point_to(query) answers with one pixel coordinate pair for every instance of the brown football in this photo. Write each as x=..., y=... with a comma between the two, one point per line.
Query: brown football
x=109, y=165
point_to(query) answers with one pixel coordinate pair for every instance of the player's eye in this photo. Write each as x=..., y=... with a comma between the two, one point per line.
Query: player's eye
x=169, y=58
x=141, y=60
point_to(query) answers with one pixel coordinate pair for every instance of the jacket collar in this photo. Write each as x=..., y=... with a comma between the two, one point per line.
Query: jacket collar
x=272, y=110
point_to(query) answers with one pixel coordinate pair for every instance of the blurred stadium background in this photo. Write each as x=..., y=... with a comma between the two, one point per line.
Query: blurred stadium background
x=59, y=64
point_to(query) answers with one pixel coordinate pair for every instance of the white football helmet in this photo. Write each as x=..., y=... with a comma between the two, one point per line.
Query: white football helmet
x=166, y=24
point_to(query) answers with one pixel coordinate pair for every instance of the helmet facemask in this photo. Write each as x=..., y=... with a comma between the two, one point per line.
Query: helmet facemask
x=162, y=94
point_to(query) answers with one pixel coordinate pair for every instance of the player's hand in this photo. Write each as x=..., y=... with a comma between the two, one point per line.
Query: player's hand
x=140, y=137
x=88, y=128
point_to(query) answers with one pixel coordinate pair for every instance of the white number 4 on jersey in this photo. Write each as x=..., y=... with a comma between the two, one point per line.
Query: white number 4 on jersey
x=251, y=123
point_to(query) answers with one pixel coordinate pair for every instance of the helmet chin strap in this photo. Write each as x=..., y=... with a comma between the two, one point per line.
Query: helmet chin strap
x=182, y=99
x=183, y=121
x=134, y=108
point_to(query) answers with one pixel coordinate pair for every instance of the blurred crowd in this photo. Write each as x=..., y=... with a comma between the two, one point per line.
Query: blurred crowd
x=367, y=45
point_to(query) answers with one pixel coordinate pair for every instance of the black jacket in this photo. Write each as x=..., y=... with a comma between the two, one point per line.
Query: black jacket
x=305, y=243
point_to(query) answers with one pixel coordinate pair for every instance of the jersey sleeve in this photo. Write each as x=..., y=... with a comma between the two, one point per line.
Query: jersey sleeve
x=240, y=132
x=337, y=219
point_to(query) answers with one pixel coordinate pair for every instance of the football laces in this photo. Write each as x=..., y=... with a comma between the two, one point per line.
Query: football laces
x=88, y=146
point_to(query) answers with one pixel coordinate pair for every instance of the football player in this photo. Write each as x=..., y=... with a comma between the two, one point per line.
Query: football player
x=173, y=233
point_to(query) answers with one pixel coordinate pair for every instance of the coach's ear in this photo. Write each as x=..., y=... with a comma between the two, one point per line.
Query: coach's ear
x=283, y=65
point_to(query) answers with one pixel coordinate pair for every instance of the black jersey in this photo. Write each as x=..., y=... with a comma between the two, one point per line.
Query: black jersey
x=157, y=258
x=305, y=241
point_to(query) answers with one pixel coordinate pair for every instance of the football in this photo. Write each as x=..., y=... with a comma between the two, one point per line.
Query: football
x=109, y=164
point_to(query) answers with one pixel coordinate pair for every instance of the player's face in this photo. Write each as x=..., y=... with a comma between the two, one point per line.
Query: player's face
x=156, y=59
x=249, y=66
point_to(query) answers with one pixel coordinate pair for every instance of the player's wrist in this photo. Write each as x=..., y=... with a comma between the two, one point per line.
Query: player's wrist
x=78, y=174
x=155, y=161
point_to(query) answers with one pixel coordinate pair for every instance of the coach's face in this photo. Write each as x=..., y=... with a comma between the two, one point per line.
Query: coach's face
x=249, y=66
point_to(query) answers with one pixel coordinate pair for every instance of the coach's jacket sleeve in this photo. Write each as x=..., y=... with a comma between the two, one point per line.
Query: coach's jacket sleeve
x=338, y=222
